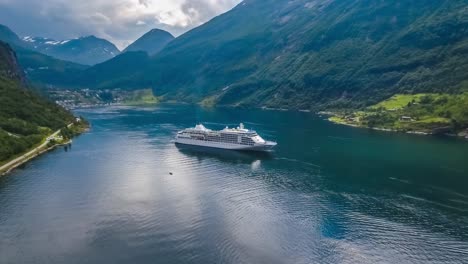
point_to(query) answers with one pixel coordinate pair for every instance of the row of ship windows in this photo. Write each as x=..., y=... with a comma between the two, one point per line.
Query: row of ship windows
x=244, y=141
x=222, y=135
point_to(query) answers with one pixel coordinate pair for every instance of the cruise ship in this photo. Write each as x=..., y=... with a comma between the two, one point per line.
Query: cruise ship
x=229, y=138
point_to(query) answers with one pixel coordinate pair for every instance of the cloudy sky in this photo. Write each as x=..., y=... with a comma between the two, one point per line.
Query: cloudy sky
x=120, y=21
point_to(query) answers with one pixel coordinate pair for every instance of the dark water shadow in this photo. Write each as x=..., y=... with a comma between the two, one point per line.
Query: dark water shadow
x=229, y=156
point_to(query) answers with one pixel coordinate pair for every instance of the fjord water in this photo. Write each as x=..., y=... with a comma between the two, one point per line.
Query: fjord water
x=328, y=194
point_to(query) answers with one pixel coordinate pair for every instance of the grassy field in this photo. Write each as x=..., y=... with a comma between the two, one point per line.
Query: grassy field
x=400, y=101
x=426, y=113
x=141, y=97
x=209, y=101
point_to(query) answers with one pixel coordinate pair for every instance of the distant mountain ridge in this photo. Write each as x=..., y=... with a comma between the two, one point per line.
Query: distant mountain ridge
x=152, y=42
x=38, y=67
x=42, y=43
x=88, y=50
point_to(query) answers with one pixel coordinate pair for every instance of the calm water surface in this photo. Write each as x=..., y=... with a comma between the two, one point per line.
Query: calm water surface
x=329, y=194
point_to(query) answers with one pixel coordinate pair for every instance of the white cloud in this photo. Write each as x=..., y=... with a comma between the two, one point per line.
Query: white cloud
x=120, y=21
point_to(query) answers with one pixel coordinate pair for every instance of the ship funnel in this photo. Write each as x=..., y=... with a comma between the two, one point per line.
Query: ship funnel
x=241, y=126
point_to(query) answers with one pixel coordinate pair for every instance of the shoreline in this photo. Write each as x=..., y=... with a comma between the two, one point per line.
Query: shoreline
x=31, y=154
x=460, y=135
x=30, y=157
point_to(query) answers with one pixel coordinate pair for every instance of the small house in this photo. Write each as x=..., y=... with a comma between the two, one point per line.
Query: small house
x=352, y=119
x=406, y=119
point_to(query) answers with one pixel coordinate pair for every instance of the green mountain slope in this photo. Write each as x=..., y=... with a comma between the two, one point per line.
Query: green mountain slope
x=43, y=69
x=25, y=118
x=300, y=54
x=113, y=73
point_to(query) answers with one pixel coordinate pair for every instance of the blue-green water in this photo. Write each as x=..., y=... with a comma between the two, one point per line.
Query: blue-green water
x=328, y=194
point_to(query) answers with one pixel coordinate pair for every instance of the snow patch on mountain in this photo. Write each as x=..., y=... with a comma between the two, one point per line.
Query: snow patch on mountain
x=87, y=50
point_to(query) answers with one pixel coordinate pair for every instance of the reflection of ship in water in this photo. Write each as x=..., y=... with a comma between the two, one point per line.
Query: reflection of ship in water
x=224, y=155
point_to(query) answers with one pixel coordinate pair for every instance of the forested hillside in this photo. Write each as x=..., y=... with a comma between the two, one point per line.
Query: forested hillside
x=113, y=71
x=306, y=54
x=25, y=118
x=298, y=54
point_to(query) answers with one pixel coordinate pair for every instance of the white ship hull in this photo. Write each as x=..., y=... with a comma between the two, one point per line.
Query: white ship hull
x=267, y=146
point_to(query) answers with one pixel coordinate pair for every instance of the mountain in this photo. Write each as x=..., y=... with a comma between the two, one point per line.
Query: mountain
x=25, y=118
x=113, y=71
x=151, y=42
x=306, y=54
x=314, y=54
x=45, y=70
x=9, y=66
x=39, y=68
x=88, y=50
x=303, y=53
x=7, y=35
x=85, y=50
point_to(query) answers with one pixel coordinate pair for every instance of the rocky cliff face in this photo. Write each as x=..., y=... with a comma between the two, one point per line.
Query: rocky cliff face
x=9, y=67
